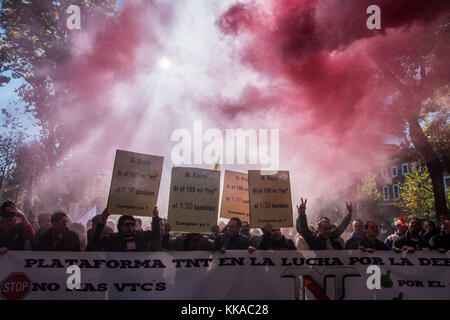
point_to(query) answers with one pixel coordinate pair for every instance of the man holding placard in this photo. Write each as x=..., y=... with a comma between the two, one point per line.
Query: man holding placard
x=128, y=238
x=270, y=199
x=134, y=191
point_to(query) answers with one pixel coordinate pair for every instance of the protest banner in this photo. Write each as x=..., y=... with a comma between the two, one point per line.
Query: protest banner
x=235, y=196
x=135, y=184
x=270, y=199
x=193, y=200
x=196, y=275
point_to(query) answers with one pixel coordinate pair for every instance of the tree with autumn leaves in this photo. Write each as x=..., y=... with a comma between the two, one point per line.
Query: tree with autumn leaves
x=416, y=196
x=419, y=76
x=34, y=42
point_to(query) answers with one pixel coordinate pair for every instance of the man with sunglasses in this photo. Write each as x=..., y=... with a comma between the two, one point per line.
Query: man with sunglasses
x=326, y=238
x=128, y=238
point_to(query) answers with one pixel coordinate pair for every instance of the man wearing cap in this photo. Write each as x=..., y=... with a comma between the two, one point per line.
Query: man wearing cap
x=59, y=237
x=12, y=232
x=400, y=229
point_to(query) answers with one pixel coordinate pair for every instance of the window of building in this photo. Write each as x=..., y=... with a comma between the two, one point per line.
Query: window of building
x=386, y=192
x=384, y=173
x=417, y=166
x=447, y=183
x=394, y=171
x=395, y=191
x=405, y=169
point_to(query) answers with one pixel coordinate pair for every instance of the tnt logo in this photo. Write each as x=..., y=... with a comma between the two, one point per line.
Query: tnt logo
x=316, y=282
x=15, y=286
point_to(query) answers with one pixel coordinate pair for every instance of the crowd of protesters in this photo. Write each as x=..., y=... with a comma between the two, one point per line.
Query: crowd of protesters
x=56, y=233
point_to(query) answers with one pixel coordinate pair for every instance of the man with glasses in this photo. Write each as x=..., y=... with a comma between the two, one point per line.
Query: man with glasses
x=326, y=238
x=128, y=238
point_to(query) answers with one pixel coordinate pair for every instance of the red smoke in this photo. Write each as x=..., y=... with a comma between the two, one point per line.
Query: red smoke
x=330, y=75
x=107, y=53
x=329, y=58
x=317, y=59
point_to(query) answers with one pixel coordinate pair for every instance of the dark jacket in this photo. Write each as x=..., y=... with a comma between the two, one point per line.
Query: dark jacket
x=106, y=231
x=389, y=241
x=239, y=242
x=430, y=234
x=354, y=241
x=440, y=241
x=69, y=242
x=14, y=237
x=154, y=236
x=317, y=242
x=191, y=242
x=406, y=240
x=267, y=243
x=35, y=240
x=139, y=241
x=376, y=245
x=118, y=242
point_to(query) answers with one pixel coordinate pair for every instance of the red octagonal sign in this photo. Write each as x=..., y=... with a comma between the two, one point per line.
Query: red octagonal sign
x=15, y=286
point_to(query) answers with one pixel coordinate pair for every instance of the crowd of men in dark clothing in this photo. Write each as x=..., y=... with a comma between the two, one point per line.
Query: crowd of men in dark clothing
x=55, y=233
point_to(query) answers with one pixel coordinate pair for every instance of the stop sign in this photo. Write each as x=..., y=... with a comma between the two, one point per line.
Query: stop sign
x=15, y=286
